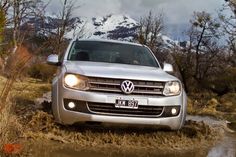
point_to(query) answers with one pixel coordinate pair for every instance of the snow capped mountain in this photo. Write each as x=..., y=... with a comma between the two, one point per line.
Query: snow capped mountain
x=168, y=41
x=117, y=27
x=112, y=26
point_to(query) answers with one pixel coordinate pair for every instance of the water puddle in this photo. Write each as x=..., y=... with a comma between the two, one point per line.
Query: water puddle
x=225, y=148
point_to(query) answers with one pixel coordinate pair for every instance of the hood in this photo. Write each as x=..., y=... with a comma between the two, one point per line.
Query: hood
x=121, y=71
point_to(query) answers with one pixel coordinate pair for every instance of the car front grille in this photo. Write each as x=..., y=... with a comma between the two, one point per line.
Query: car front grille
x=113, y=85
x=110, y=109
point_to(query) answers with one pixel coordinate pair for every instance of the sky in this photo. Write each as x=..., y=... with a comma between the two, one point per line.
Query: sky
x=177, y=13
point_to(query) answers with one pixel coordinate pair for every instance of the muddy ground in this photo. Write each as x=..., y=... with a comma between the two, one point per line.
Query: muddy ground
x=41, y=136
x=113, y=140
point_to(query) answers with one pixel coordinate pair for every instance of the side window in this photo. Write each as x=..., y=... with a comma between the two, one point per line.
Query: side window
x=72, y=52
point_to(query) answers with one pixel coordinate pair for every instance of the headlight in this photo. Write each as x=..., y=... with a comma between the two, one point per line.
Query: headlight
x=76, y=82
x=172, y=88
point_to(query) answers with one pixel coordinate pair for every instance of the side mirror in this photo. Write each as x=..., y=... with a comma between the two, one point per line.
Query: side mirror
x=168, y=67
x=53, y=60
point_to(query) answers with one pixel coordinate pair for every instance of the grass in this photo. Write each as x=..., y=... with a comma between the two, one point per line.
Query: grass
x=22, y=95
x=228, y=103
x=10, y=128
x=27, y=89
x=2, y=81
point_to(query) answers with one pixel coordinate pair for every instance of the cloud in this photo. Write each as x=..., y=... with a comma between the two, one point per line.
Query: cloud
x=91, y=8
x=176, y=12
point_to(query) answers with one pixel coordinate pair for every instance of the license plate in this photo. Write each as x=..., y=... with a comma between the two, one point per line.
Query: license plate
x=130, y=104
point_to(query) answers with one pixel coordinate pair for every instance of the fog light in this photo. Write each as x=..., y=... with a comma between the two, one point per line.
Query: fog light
x=71, y=105
x=173, y=111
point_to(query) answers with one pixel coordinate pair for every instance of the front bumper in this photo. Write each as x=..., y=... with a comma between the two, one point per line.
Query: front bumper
x=65, y=116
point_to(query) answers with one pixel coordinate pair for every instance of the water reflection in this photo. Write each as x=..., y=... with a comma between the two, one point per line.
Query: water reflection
x=226, y=148
x=72, y=153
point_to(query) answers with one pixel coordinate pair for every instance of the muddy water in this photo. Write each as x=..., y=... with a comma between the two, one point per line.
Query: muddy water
x=224, y=148
x=71, y=153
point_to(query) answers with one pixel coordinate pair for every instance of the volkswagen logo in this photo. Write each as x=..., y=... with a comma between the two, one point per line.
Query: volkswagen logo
x=127, y=87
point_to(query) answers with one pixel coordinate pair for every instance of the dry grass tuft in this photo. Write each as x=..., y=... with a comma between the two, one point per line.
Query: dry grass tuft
x=41, y=121
x=204, y=104
x=10, y=128
x=228, y=102
x=17, y=107
x=223, y=107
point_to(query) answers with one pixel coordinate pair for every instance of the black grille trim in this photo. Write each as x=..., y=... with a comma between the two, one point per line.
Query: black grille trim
x=110, y=109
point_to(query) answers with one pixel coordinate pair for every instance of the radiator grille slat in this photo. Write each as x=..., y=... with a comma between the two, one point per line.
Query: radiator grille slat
x=151, y=88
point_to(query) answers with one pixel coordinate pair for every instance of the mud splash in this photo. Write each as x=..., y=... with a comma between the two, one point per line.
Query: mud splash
x=226, y=148
x=114, y=140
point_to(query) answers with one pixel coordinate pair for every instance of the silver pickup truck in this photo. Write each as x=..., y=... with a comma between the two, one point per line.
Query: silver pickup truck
x=115, y=82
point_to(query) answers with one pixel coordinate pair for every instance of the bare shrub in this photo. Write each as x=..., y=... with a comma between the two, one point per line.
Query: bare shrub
x=15, y=67
x=41, y=71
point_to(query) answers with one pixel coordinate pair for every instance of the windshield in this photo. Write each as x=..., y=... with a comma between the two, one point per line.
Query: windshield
x=107, y=52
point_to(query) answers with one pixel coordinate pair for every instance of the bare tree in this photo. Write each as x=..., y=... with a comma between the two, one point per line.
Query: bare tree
x=5, y=4
x=2, y=23
x=21, y=10
x=57, y=40
x=183, y=59
x=20, y=55
x=202, y=58
x=149, y=30
x=3, y=10
x=203, y=35
x=229, y=27
x=17, y=13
